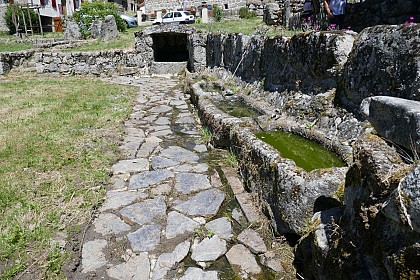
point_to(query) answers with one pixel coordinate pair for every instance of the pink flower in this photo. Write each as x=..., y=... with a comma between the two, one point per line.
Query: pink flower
x=406, y=22
x=411, y=18
x=309, y=18
x=349, y=27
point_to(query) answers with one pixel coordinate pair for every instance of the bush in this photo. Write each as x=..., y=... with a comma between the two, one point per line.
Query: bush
x=91, y=11
x=9, y=20
x=218, y=13
x=244, y=12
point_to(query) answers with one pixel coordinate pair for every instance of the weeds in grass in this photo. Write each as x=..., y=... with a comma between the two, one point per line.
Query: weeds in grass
x=339, y=193
x=230, y=159
x=205, y=134
x=59, y=138
x=310, y=226
x=203, y=232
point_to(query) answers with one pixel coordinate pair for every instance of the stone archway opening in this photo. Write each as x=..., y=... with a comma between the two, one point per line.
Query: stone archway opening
x=170, y=47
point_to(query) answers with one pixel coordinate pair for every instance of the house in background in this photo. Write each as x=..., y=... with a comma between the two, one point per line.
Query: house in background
x=51, y=11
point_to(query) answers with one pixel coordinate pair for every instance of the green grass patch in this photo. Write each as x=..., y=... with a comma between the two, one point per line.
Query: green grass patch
x=249, y=26
x=58, y=139
x=11, y=46
x=245, y=26
x=125, y=40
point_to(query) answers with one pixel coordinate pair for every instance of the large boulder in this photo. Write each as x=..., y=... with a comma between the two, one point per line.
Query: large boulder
x=72, y=31
x=109, y=28
x=384, y=61
x=95, y=29
x=396, y=119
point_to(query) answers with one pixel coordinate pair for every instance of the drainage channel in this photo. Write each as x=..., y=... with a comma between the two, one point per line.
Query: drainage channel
x=176, y=210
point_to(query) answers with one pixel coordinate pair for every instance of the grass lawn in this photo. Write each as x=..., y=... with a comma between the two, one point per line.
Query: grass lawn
x=125, y=40
x=8, y=43
x=58, y=139
x=12, y=46
x=245, y=26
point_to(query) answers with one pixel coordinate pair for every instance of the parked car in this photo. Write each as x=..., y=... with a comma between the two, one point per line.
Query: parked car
x=177, y=17
x=129, y=20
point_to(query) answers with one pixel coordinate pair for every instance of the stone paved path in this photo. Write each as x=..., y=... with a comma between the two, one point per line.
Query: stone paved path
x=162, y=219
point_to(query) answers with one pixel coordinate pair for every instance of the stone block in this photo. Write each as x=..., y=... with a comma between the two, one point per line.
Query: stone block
x=395, y=119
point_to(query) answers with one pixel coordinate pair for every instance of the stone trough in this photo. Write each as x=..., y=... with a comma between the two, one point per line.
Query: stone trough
x=289, y=195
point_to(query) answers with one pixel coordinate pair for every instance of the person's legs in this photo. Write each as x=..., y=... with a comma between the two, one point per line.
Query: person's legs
x=338, y=20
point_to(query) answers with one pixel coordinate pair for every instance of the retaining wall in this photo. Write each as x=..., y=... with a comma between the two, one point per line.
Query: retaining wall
x=97, y=63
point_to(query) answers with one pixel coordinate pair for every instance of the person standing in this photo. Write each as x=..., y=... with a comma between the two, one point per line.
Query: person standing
x=335, y=12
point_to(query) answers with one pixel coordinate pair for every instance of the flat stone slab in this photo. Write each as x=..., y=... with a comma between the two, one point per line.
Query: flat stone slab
x=147, y=148
x=221, y=227
x=108, y=223
x=179, y=224
x=200, y=148
x=162, y=133
x=272, y=260
x=163, y=163
x=136, y=268
x=145, y=239
x=149, y=178
x=92, y=255
x=242, y=261
x=117, y=199
x=180, y=154
x=130, y=166
x=239, y=217
x=144, y=212
x=235, y=184
x=395, y=119
x=163, y=121
x=197, y=168
x=161, y=127
x=248, y=207
x=188, y=129
x=161, y=109
x=185, y=120
x=191, y=182
x=251, y=239
x=209, y=249
x=195, y=273
x=205, y=203
x=177, y=103
x=167, y=261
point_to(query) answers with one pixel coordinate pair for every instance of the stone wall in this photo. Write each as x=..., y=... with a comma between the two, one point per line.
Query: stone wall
x=101, y=63
x=303, y=62
x=13, y=60
x=385, y=60
x=375, y=12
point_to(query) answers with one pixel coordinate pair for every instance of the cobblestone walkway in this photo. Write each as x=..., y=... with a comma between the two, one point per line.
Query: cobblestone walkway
x=168, y=215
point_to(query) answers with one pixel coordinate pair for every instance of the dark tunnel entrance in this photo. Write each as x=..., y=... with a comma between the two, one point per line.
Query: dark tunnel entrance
x=170, y=47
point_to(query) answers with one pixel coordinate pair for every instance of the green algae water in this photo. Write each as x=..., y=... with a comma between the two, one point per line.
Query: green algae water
x=305, y=153
x=237, y=109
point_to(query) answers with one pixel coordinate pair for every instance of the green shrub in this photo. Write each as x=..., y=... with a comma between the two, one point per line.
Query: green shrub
x=218, y=13
x=9, y=20
x=245, y=13
x=91, y=11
